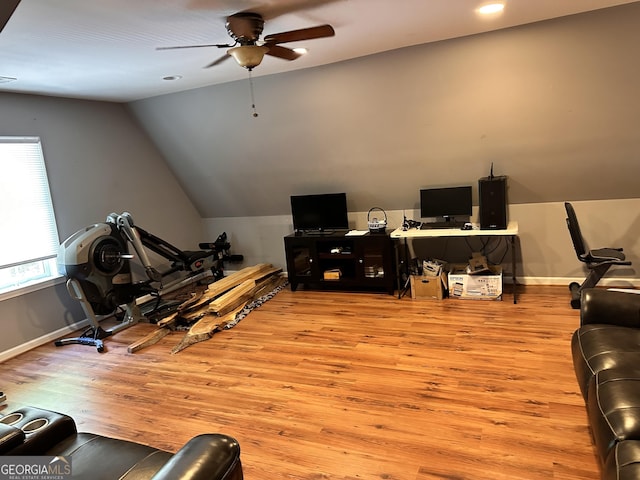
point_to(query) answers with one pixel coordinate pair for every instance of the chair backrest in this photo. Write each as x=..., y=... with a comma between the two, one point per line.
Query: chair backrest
x=574, y=231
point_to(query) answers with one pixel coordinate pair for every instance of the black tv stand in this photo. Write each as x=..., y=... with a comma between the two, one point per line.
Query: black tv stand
x=335, y=261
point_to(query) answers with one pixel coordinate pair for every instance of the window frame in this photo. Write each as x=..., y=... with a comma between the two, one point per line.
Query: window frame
x=48, y=262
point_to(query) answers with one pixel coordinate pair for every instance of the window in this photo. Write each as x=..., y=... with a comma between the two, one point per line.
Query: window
x=28, y=232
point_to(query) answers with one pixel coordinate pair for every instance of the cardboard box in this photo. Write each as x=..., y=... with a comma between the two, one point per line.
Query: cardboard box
x=334, y=274
x=426, y=287
x=476, y=287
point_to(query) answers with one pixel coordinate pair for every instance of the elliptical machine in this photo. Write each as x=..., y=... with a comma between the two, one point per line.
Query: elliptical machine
x=96, y=259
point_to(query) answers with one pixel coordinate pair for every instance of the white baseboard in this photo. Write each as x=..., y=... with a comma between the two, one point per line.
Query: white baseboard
x=36, y=342
x=605, y=282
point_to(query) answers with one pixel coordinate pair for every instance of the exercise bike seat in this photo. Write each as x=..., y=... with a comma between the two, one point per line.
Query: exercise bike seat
x=192, y=256
x=192, y=260
x=599, y=255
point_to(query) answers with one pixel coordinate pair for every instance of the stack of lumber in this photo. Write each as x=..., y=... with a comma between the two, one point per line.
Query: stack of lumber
x=209, y=310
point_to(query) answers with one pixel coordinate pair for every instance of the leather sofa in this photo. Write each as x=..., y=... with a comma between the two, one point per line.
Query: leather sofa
x=606, y=359
x=32, y=431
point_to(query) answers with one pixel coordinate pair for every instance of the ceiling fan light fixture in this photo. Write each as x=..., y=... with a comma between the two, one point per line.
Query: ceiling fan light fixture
x=248, y=56
x=491, y=8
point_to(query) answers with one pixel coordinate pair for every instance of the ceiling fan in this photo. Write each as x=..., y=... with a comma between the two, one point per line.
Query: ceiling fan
x=248, y=50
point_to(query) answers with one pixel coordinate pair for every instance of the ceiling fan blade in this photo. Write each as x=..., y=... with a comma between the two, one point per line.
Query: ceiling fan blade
x=218, y=61
x=269, y=9
x=302, y=34
x=282, y=52
x=7, y=8
x=218, y=45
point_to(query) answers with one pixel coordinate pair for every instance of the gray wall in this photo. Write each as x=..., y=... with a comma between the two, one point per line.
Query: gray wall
x=554, y=105
x=98, y=161
x=544, y=254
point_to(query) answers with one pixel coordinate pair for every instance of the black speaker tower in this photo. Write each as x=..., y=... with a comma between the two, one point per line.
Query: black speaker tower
x=492, y=192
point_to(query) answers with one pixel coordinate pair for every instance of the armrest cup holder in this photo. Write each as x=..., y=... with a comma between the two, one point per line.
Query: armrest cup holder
x=39, y=430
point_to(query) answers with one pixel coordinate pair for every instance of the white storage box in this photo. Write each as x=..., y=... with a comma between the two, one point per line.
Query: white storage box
x=476, y=287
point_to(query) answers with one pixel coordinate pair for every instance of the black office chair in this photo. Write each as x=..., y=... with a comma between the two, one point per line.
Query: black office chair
x=598, y=261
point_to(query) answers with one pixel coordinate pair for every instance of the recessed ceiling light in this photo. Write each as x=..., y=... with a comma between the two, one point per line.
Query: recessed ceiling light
x=301, y=50
x=172, y=77
x=490, y=8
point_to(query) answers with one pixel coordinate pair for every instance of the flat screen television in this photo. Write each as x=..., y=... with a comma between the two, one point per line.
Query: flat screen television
x=319, y=213
x=446, y=203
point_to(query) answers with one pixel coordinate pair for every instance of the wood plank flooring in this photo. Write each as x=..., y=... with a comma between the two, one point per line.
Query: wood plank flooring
x=320, y=385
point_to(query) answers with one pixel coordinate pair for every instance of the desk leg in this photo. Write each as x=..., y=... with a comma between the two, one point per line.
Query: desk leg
x=402, y=289
x=405, y=287
x=398, y=276
x=513, y=266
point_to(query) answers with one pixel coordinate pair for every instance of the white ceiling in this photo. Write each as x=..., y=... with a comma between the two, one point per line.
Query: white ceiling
x=106, y=49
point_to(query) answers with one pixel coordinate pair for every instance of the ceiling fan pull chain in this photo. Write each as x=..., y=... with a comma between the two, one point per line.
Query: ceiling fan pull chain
x=253, y=101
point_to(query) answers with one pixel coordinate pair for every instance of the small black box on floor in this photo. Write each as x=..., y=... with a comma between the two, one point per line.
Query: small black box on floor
x=492, y=193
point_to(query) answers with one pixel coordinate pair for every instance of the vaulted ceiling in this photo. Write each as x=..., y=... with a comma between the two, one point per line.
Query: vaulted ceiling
x=107, y=50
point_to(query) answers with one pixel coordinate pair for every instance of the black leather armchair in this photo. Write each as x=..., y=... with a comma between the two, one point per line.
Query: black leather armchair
x=32, y=431
x=606, y=358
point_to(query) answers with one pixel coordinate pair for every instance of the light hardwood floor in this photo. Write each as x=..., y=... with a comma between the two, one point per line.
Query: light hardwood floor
x=319, y=385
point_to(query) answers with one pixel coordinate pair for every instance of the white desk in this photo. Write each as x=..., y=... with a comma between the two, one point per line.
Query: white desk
x=511, y=232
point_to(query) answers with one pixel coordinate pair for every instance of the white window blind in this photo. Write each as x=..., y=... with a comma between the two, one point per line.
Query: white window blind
x=27, y=223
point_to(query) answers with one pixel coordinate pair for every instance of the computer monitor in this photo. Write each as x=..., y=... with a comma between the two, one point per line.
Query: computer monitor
x=448, y=203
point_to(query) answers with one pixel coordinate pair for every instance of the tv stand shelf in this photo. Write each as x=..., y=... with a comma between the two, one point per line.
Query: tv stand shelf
x=363, y=262
x=336, y=256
